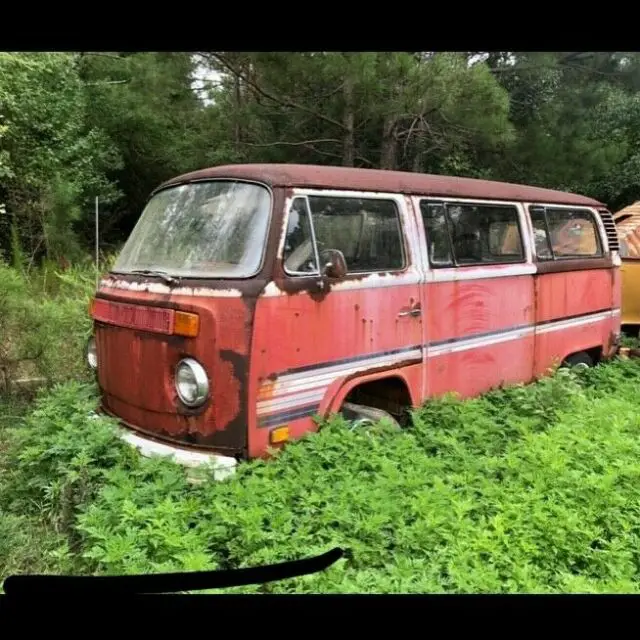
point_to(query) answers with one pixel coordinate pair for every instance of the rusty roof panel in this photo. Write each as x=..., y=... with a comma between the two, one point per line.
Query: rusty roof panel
x=328, y=177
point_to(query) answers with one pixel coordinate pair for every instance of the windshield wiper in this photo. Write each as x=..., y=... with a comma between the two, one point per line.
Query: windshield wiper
x=160, y=274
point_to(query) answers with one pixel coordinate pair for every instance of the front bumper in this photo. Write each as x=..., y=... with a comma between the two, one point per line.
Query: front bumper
x=221, y=466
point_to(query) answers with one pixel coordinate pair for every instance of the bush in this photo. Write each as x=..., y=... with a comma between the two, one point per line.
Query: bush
x=530, y=489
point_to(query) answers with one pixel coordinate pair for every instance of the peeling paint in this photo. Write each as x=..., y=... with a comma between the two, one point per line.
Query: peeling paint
x=159, y=288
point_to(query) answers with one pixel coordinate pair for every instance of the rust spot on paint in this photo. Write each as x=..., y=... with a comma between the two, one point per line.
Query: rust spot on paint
x=232, y=410
x=374, y=370
x=267, y=389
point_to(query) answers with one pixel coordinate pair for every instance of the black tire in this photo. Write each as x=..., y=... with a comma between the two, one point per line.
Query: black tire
x=580, y=360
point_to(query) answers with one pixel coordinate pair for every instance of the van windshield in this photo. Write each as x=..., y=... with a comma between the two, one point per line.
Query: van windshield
x=214, y=229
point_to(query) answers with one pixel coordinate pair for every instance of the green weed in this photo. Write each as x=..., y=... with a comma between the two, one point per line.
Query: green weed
x=529, y=489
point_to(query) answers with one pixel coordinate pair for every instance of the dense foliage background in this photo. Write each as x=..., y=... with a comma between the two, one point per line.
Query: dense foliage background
x=114, y=125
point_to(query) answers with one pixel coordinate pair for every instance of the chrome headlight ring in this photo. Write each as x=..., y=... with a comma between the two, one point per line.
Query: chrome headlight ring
x=192, y=382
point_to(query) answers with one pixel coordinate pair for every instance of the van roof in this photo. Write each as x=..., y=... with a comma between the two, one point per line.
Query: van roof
x=349, y=178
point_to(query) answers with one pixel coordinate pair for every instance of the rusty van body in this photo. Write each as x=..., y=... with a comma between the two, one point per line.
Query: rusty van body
x=251, y=298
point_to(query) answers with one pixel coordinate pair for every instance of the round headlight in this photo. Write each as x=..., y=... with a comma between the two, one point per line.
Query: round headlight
x=192, y=383
x=92, y=354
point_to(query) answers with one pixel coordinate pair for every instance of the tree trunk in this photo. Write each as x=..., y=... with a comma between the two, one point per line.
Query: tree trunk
x=389, y=143
x=237, y=130
x=348, y=145
x=416, y=165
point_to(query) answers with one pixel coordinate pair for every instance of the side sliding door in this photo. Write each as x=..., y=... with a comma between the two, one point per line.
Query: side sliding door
x=479, y=294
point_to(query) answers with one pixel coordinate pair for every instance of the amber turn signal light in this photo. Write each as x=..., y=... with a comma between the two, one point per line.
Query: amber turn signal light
x=279, y=435
x=186, y=324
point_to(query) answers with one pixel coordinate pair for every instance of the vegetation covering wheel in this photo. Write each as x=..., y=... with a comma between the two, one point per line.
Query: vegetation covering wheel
x=362, y=416
x=580, y=360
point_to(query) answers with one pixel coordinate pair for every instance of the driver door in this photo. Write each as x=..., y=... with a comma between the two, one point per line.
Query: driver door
x=325, y=329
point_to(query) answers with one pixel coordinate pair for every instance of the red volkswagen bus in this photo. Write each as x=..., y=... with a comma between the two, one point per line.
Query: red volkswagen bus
x=250, y=298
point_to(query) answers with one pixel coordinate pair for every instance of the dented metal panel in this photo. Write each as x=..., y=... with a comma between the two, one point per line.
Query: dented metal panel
x=311, y=332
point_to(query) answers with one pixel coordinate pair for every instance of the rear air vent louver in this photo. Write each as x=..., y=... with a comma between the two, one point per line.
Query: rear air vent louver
x=610, y=228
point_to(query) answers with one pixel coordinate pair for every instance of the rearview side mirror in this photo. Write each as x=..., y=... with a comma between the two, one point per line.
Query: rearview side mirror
x=334, y=264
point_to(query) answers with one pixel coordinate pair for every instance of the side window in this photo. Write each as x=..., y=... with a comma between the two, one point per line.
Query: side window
x=469, y=234
x=434, y=218
x=541, y=233
x=299, y=254
x=565, y=233
x=504, y=239
x=573, y=233
x=366, y=230
x=484, y=233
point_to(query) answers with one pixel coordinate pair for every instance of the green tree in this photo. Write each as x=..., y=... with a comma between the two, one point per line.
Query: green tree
x=386, y=110
x=52, y=161
x=145, y=104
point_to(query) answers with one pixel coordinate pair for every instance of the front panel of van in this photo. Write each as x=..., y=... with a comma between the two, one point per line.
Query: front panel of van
x=174, y=318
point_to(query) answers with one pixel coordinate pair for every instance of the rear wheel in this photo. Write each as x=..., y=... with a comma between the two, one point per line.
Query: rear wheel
x=580, y=360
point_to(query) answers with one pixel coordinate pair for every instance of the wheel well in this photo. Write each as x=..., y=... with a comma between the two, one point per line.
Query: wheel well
x=389, y=394
x=595, y=353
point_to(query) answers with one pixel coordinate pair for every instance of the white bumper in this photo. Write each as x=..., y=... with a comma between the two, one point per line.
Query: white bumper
x=222, y=466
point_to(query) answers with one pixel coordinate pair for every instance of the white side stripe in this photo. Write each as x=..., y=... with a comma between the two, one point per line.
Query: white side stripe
x=309, y=386
x=279, y=404
x=480, y=273
x=475, y=343
x=344, y=367
x=573, y=322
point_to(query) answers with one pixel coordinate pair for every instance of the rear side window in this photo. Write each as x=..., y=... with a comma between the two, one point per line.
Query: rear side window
x=565, y=233
x=366, y=230
x=464, y=234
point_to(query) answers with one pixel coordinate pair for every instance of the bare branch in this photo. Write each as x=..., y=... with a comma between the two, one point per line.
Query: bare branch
x=285, y=102
x=309, y=145
x=101, y=82
x=292, y=144
x=104, y=54
x=571, y=60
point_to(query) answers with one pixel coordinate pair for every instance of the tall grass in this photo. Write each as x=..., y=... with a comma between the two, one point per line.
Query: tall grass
x=44, y=321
